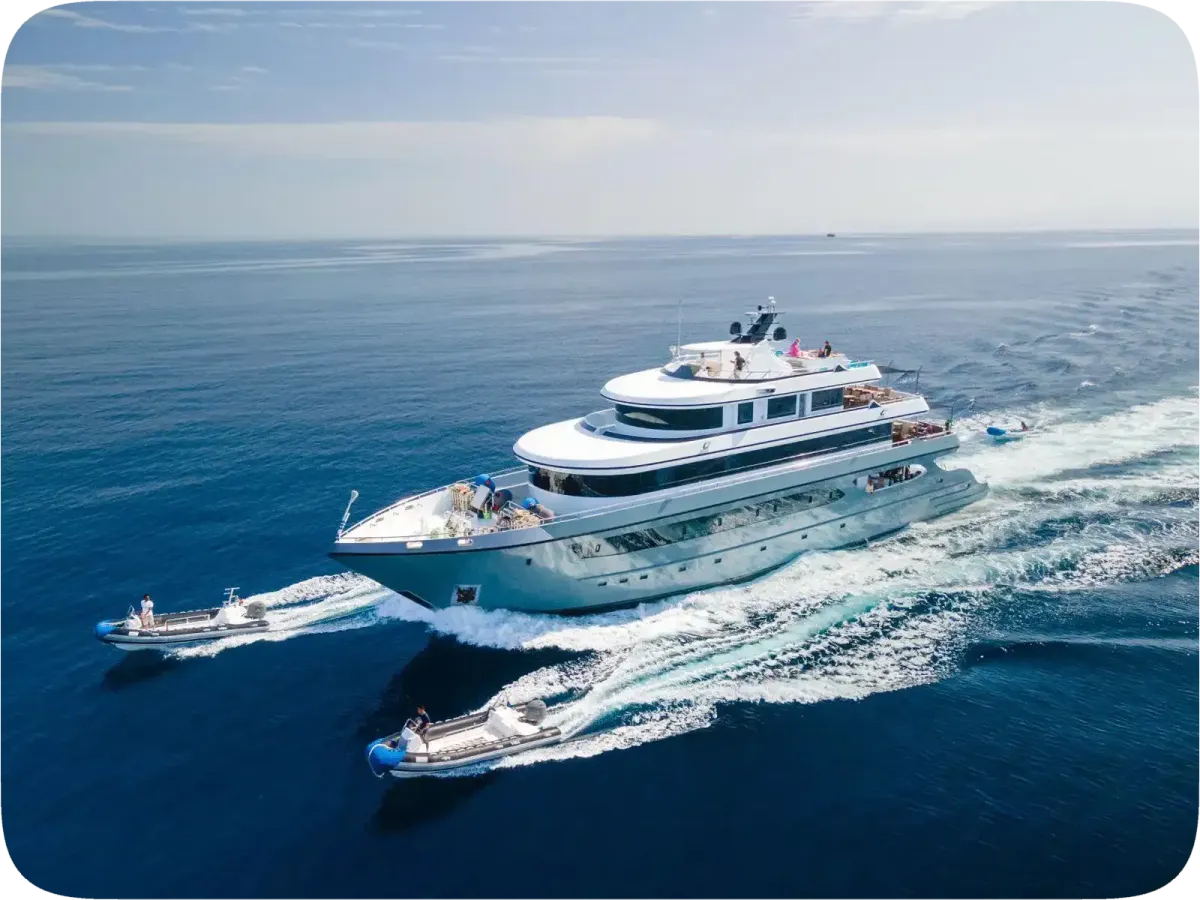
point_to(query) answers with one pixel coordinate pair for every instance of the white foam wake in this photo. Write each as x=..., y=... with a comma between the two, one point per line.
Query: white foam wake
x=848, y=623
x=314, y=606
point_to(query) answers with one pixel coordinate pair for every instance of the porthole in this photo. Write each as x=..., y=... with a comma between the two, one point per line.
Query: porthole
x=762, y=548
x=601, y=583
x=717, y=560
x=622, y=581
x=643, y=577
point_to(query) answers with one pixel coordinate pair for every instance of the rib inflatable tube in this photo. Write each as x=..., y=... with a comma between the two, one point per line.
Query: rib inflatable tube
x=382, y=758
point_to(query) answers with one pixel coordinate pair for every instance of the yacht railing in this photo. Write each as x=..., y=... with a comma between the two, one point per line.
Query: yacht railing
x=412, y=500
x=788, y=465
x=703, y=362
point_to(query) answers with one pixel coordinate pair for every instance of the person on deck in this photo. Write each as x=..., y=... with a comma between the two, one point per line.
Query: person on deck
x=421, y=722
x=1024, y=427
x=826, y=351
x=794, y=350
x=739, y=364
x=147, y=611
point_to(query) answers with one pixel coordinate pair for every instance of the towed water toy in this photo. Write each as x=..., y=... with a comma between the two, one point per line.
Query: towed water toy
x=1005, y=435
x=234, y=616
x=457, y=743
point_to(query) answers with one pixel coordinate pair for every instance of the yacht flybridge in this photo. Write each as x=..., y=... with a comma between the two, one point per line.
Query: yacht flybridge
x=728, y=461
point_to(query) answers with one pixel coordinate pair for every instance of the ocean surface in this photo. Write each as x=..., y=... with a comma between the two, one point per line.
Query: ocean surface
x=1002, y=702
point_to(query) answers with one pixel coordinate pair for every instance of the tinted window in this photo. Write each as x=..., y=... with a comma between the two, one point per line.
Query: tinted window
x=826, y=399
x=613, y=545
x=658, y=479
x=670, y=419
x=778, y=407
x=745, y=413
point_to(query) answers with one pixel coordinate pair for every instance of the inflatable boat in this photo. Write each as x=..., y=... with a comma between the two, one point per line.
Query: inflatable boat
x=458, y=743
x=1005, y=435
x=234, y=616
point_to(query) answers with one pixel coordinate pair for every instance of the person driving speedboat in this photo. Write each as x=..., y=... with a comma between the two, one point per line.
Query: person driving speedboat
x=147, y=611
x=421, y=722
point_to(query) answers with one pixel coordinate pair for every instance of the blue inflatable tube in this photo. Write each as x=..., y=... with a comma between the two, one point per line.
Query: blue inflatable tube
x=995, y=432
x=382, y=758
x=105, y=628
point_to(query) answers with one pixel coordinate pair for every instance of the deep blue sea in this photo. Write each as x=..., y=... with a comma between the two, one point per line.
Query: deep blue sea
x=1002, y=702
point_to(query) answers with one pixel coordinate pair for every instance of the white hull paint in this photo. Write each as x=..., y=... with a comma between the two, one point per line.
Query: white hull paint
x=552, y=570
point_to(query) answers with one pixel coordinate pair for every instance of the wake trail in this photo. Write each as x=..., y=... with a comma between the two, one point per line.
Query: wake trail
x=320, y=605
x=850, y=623
x=1079, y=504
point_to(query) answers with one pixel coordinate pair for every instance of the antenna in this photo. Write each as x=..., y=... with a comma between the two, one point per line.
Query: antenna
x=679, y=333
x=346, y=514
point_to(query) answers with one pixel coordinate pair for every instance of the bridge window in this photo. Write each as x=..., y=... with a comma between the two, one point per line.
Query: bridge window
x=693, y=419
x=745, y=413
x=702, y=470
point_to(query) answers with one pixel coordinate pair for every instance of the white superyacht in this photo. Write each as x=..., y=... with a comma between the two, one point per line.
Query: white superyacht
x=725, y=463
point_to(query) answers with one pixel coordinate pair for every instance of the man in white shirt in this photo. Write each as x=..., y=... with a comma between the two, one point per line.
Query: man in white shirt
x=147, y=611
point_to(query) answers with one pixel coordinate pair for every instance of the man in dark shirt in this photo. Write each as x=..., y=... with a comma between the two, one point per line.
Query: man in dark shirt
x=738, y=364
x=422, y=721
x=827, y=350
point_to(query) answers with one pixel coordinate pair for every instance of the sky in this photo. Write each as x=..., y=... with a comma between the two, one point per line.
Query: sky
x=329, y=120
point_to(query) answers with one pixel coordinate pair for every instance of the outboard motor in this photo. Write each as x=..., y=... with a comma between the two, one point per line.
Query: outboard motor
x=534, y=712
x=256, y=609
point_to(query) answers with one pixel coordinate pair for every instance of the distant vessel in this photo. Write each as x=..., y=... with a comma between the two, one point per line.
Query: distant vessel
x=726, y=462
x=234, y=616
x=831, y=234
x=1011, y=433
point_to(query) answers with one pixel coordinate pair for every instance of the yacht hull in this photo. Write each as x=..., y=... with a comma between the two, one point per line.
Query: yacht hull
x=669, y=546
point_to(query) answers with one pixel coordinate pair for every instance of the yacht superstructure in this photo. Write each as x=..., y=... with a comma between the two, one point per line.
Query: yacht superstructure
x=729, y=461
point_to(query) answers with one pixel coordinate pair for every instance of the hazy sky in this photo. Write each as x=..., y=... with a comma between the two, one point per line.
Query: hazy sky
x=364, y=119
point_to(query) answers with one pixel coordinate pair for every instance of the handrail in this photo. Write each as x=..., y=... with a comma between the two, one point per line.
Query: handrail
x=762, y=374
x=415, y=497
x=792, y=464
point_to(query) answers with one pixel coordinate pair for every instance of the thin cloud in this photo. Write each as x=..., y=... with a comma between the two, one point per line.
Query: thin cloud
x=81, y=21
x=254, y=70
x=58, y=78
x=521, y=60
x=513, y=141
x=238, y=13
x=856, y=12
x=96, y=67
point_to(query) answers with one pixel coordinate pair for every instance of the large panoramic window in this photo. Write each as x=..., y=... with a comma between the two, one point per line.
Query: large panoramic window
x=591, y=545
x=701, y=470
x=827, y=399
x=693, y=419
x=779, y=407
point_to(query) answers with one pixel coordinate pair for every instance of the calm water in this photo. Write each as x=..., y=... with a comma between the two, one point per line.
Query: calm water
x=1002, y=702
